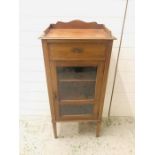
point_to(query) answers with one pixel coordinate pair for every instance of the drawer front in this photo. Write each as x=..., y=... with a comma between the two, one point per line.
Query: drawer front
x=77, y=51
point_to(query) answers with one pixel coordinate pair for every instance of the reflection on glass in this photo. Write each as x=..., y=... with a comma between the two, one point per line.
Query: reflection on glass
x=76, y=90
x=76, y=109
x=82, y=73
x=76, y=82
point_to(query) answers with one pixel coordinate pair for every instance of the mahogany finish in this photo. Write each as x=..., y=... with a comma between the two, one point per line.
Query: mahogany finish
x=76, y=51
x=77, y=56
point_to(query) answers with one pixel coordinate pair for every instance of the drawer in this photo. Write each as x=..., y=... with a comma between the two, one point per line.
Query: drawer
x=77, y=51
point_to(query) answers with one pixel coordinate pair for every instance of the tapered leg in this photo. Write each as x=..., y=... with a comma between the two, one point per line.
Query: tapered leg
x=98, y=126
x=54, y=129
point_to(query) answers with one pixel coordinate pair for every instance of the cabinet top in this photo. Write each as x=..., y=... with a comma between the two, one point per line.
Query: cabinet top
x=77, y=30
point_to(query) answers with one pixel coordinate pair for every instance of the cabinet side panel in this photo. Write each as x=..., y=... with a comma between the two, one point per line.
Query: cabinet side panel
x=48, y=78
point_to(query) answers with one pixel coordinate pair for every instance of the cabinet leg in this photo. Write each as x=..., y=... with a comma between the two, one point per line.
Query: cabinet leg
x=54, y=129
x=98, y=126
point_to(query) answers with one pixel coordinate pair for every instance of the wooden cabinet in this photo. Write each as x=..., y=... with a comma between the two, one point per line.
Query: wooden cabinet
x=76, y=56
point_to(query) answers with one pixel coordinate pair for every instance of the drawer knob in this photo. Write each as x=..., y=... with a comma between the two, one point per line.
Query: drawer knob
x=77, y=50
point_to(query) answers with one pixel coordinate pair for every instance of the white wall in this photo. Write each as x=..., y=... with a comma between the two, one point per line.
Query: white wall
x=36, y=15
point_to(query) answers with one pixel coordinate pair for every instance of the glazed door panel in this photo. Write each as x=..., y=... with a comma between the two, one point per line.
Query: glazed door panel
x=76, y=83
x=77, y=89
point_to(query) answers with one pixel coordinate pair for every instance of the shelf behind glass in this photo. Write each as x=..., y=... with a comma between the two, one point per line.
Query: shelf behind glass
x=76, y=109
x=76, y=90
x=76, y=73
x=76, y=83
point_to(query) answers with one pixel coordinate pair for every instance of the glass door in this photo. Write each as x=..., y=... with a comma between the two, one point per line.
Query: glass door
x=76, y=90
